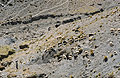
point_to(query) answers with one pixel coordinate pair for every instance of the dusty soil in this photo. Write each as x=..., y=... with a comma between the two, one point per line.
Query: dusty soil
x=59, y=39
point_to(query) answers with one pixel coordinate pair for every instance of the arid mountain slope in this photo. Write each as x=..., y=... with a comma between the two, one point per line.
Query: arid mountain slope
x=60, y=39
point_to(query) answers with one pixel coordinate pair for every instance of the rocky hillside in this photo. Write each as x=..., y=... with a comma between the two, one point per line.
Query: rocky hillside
x=59, y=39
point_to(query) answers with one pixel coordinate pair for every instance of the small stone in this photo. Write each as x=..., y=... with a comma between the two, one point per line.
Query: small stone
x=57, y=25
x=115, y=52
x=71, y=76
x=86, y=53
x=59, y=44
x=16, y=64
x=75, y=54
x=96, y=46
x=101, y=26
x=91, y=34
x=75, y=57
x=111, y=55
x=49, y=28
x=113, y=59
x=111, y=44
x=23, y=46
x=118, y=30
x=112, y=30
x=99, y=74
x=91, y=53
x=77, y=31
x=108, y=51
x=105, y=59
x=70, y=57
x=71, y=41
x=2, y=67
x=119, y=68
x=90, y=38
x=89, y=61
x=64, y=56
x=64, y=42
x=80, y=51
